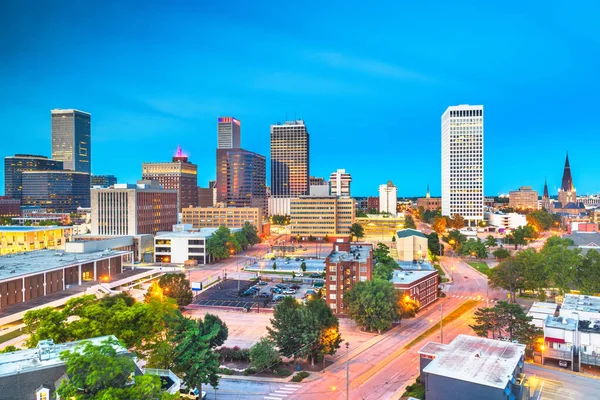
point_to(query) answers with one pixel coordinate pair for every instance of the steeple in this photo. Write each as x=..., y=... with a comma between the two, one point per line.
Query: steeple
x=567, y=179
x=545, y=196
x=427, y=195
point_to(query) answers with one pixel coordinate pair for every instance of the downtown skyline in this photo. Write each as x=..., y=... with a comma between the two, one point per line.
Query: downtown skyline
x=366, y=102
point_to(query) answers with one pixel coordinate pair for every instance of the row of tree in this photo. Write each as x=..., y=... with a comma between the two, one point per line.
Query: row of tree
x=556, y=265
x=223, y=243
x=505, y=321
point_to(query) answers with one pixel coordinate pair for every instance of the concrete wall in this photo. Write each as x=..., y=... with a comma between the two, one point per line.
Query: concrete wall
x=440, y=388
x=411, y=248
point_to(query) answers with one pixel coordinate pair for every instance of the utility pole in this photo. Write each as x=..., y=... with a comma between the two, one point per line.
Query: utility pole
x=441, y=323
x=347, y=371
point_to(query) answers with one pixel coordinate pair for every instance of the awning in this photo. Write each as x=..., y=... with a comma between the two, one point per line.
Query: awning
x=554, y=340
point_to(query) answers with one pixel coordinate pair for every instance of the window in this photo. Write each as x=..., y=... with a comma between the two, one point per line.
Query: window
x=332, y=278
x=333, y=296
x=42, y=394
x=332, y=287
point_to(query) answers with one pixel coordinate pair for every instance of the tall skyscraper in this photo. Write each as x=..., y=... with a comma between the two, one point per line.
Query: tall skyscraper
x=179, y=175
x=241, y=178
x=71, y=139
x=15, y=166
x=388, y=198
x=289, y=159
x=462, y=162
x=228, y=133
x=57, y=191
x=340, y=183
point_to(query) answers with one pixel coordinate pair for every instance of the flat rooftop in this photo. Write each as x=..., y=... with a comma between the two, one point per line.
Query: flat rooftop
x=418, y=266
x=15, y=265
x=358, y=253
x=13, y=228
x=196, y=233
x=44, y=356
x=477, y=360
x=432, y=349
x=568, y=324
x=408, y=277
x=574, y=303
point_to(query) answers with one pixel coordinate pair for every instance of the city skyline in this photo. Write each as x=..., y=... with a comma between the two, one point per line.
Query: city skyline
x=342, y=88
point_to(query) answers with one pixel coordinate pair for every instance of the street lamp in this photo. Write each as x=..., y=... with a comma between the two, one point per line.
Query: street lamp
x=347, y=371
x=543, y=347
x=452, y=269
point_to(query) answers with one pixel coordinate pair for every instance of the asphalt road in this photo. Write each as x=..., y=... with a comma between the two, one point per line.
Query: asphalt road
x=551, y=384
x=241, y=390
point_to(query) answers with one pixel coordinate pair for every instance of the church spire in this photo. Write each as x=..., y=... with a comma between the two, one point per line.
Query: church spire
x=545, y=189
x=567, y=179
x=428, y=195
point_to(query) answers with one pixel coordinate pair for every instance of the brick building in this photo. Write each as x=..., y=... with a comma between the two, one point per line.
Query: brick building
x=373, y=202
x=344, y=266
x=421, y=286
x=10, y=207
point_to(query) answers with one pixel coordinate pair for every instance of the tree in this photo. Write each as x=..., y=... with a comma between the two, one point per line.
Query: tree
x=100, y=372
x=303, y=266
x=473, y=247
x=357, y=230
x=456, y=239
x=542, y=220
x=280, y=219
x=381, y=252
x=408, y=307
x=217, y=245
x=233, y=245
x=251, y=233
x=374, y=305
x=587, y=275
x=439, y=225
x=383, y=271
x=458, y=221
x=311, y=238
x=175, y=286
x=241, y=239
x=210, y=324
x=434, y=245
x=491, y=241
x=506, y=320
x=508, y=276
x=501, y=253
x=409, y=222
x=274, y=266
x=361, y=214
x=264, y=355
x=532, y=267
x=394, y=238
x=562, y=263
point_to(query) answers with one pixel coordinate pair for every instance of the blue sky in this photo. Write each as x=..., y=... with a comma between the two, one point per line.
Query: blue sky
x=370, y=79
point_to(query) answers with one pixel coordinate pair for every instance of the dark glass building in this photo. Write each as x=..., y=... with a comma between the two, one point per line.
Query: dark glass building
x=104, y=181
x=241, y=178
x=71, y=139
x=56, y=191
x=289, y=159
x=15, y=166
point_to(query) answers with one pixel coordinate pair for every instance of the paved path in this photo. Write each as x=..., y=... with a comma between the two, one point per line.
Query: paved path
x=551, y=384
x=242, y=390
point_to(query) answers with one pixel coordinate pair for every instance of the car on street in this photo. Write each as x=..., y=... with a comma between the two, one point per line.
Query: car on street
x=276, y=290
x=289, y=291
x=254, y=288
x=563, y=364
x=315, y=275
x=281, y=286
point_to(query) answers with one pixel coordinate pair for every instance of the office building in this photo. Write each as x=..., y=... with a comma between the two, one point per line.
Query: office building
x=345, y=266
x=71, y=139
x=373, y=203
x=525, y=198
x=56, y=191
x=241, y=178
x=289, y=159
x=474, y=368
x=381, y=226
x=428, y=202
x=183, y=245
x=20, y=239
x=179, y=175
x=10, y=207
x=411, y=245
x=319, y=190
x=206, y=197
x=462, y=162
x=419, y=285
x=228, y=133
x=340, y=183
x=104, y=181
x=388, y=198
x=317, y=181
x=321, y=216
x=15, y=166
x=507, y=221
x=279, y=205
x=127, y=209
x=214, y=217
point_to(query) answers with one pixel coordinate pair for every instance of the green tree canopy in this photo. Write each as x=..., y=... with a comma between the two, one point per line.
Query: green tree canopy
x=357, y=230
x=501, y=253
x=456, y=238
x=251, y=233
x=505, y=320
x=217, y=245
x=175, y=286
x=473, y=247
x=264, y=355
x=374, y=305
x=241, y=238
x=434, y=245
x=491, y=241
x=508, y=276
x=409, y=222
x=588, y=274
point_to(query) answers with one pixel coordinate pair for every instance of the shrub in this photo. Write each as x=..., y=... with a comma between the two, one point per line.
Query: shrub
x=249, y=371
x=299, y=376
x=234, y=354
x=225, y=371
x=282, y=372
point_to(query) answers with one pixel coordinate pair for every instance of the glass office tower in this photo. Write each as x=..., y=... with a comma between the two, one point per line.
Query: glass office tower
x=71, y=139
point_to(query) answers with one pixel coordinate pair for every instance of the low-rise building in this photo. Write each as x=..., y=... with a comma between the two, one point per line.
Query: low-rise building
x=321, y=216
x=411, y=245
x=525, y=198
x=381, y=226
x=474, y=368
x=507, y=221
x=585, y=240
x=373, y=203
x=142, y=246
x=180, y=246
x=421, y=286
x=346, y=265
x=36, y=218
x=19, y=239
x=231, y=217
x=582, y=227
x=10, y=207
x=540, y=310
x=429, y=203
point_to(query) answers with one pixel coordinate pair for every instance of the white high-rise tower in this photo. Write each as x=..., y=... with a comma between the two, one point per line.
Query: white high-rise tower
x=388, y=198
x=340, y=183
x=462, y=162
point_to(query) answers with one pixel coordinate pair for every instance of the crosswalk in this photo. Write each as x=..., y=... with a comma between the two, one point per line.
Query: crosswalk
x=282, y=392
x=480, y=298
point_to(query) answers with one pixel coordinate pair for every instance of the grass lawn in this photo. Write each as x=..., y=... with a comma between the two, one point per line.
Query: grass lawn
x=480, y=266
x=14, y=334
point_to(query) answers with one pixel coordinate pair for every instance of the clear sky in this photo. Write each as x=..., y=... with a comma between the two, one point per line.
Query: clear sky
x=370, y=79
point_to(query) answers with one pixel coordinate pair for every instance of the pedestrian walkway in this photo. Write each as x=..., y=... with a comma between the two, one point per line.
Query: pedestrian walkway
x=282, y=392
x=480, y=298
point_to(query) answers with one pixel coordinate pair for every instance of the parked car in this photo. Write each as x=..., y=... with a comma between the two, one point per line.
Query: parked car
x=191, y=394
x=264, y=295
x=254, y=288
x=311, y=292
x=302, y=259
x=315, y=275
x=295, y=286
x=289, y=291
x=297, y=259
x=563, y=364
x=262, y=283
x=281, y=286
x=278, y=297
x=247, y=293
x=276, y=290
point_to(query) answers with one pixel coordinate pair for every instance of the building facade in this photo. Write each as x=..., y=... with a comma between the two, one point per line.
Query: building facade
x=206, y=197
x=317, y=181
x=340, y=183
x=10, y=207
x=104, y=181
x=228, y=133
x=525, y=197
x=214, y=217
x=71, y=139
x=420, y=286
x=345, y=266
x=289, y=159
x=15, y=166
x=381, y=226
x=321, y=216
x=56, y=191
x=179, y=247
x=241, y=178
x=20, y=239
x=507, y=221
x=462, y=162
x=411, y=245
x=127, y=209
x=388, y=198
x=373, y=203
x=179, y=175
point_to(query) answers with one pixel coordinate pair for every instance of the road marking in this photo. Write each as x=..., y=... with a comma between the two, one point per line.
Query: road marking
x=294, y=386
x=541, y=388
x=272, y=398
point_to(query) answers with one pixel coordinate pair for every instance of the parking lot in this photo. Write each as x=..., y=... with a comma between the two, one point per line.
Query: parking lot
x=225, y=294
x=289, y=265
